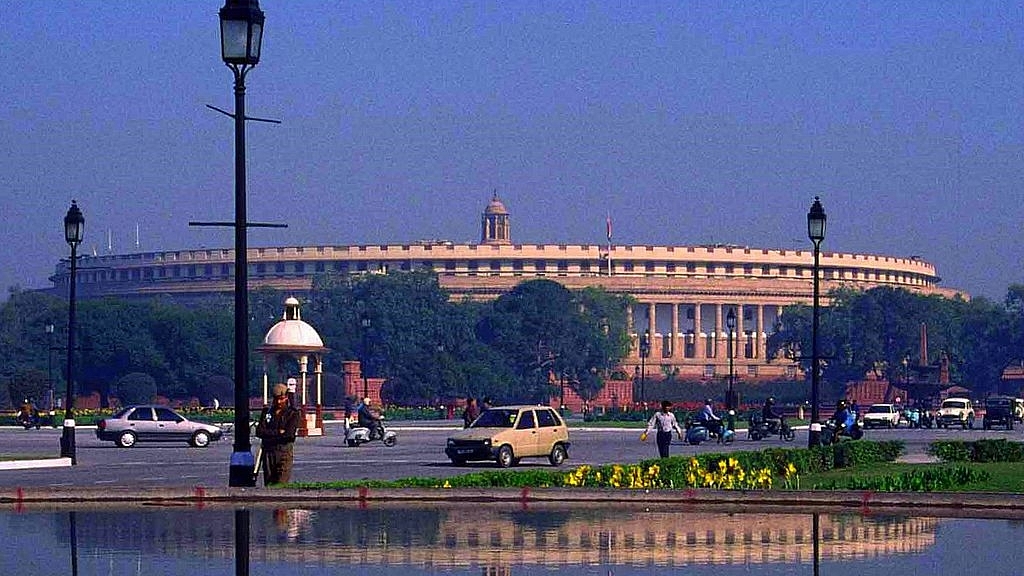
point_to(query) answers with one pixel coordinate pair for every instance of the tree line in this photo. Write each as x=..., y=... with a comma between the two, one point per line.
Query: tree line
x=406, y=329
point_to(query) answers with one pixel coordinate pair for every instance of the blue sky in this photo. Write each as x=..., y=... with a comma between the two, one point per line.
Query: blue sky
x=689, y=122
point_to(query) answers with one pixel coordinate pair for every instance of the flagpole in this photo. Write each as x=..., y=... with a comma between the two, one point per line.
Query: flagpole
x=609, y=228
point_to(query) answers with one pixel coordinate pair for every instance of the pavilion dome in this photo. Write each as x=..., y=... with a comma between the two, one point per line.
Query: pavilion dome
x=291, y=331
x=495, y=206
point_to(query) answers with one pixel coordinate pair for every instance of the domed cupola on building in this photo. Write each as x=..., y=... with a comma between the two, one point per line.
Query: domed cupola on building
x=495, y=228
x=288, y=345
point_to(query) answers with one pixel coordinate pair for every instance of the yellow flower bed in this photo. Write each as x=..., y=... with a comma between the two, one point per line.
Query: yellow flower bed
x=727, y=475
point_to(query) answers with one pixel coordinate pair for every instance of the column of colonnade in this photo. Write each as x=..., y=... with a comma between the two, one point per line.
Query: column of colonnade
x=717, y=341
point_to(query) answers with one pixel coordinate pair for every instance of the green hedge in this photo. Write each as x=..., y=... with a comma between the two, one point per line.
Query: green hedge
x=928, y=480
x=985, y=450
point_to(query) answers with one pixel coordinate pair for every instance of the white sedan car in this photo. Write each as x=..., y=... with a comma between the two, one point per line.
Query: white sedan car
x=882, y=415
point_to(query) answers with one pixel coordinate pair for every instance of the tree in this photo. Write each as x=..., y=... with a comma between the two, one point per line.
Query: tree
x=135, y=388
x=541, y=328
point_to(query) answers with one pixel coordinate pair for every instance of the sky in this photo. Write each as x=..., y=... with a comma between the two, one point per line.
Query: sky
x=688, y=122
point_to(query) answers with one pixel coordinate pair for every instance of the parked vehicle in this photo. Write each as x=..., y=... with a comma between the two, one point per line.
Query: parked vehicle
x=1018, y=409
x=356, y=435
x=956, y=412
x=832, y=433
x=998, y=412
x=882, y=415
x=507, y=434
x=155, y=424
x=759, y=428
x=697, y=432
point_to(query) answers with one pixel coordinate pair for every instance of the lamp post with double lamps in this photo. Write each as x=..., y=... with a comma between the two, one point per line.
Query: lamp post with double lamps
x=645, y=351
x=816, y=232
x=730, y=396
x=74, y=230
x=241, y=34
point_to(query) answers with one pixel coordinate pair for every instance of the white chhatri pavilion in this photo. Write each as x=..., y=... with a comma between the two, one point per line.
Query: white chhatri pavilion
x=291, y=338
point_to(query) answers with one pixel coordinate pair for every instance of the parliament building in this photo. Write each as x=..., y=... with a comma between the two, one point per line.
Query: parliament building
x=682, y=294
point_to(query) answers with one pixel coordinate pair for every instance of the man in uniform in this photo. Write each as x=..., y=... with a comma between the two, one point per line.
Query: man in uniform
x=277, y=427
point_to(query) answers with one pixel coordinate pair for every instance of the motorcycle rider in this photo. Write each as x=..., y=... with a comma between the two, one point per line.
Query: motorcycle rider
x=28, y=414
x=708, y=419
x=772, y=418
x=843, y=417
x=370, y=419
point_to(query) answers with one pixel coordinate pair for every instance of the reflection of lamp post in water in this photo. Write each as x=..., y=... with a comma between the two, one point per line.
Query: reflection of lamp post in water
x=816, y=537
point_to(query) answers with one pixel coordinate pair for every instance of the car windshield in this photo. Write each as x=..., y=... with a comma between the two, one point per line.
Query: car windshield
x=998, y=402
x=879, y=410
x=496, y=418
x=954, y=404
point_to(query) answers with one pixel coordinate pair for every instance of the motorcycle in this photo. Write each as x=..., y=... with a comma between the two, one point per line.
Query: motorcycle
x=697, y=432
x=356, y=434
x=832, y=433
x=35, y=419
x=760, y=428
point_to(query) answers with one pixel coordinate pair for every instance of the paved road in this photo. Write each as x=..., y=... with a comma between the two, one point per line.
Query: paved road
x=419, y=452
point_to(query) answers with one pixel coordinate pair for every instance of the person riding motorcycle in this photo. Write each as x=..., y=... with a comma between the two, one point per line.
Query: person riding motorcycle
x=28, y=415
x=370, y=419
x=843, y=417
x=772, y=418
x=708, y=419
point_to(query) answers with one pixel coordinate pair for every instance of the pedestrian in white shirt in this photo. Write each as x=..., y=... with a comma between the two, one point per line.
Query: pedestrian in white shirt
x=664, y=422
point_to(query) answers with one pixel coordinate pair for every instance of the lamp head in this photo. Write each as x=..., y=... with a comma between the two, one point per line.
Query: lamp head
x=730, y=319
x=74, y=225
x=816, y=222
x=241, y=32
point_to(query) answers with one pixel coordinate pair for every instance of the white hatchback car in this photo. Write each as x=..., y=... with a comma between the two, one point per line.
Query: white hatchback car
x=882, y=415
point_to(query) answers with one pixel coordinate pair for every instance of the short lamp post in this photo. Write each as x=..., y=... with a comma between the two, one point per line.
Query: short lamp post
x=74, y=230
x=365, y=323
x=730, y=396
x=49, y=366
x=816, y=232
x=645, y=351
x=241, y=34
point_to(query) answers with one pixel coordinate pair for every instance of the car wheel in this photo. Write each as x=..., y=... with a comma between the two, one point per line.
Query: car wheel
x=126, y=439
x=557, y=455
x=505, y=457
x=201, y=439
x=755, y=435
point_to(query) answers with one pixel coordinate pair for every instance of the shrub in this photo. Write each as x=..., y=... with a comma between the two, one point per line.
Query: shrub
x=986, y=450
x=927, y=480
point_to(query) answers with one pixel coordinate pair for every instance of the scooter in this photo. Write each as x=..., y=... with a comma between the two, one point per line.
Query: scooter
x=697, y=432
x=356, y=434
x=831, y=433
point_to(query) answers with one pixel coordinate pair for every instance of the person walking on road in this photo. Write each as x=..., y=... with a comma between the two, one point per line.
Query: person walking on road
x=664, y=422
x=470, y=412
x=277, y=428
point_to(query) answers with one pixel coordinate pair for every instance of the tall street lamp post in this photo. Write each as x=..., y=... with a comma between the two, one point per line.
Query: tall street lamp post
x=365, y=322
x=730, y=396
x=241, y=34
x=816, y=232
x=645, y=351
x=74, y=230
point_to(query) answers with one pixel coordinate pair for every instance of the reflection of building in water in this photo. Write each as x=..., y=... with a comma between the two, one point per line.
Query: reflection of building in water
x=495, y=538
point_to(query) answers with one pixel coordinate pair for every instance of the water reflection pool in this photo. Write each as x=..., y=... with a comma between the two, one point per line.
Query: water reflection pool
x=499, y=541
